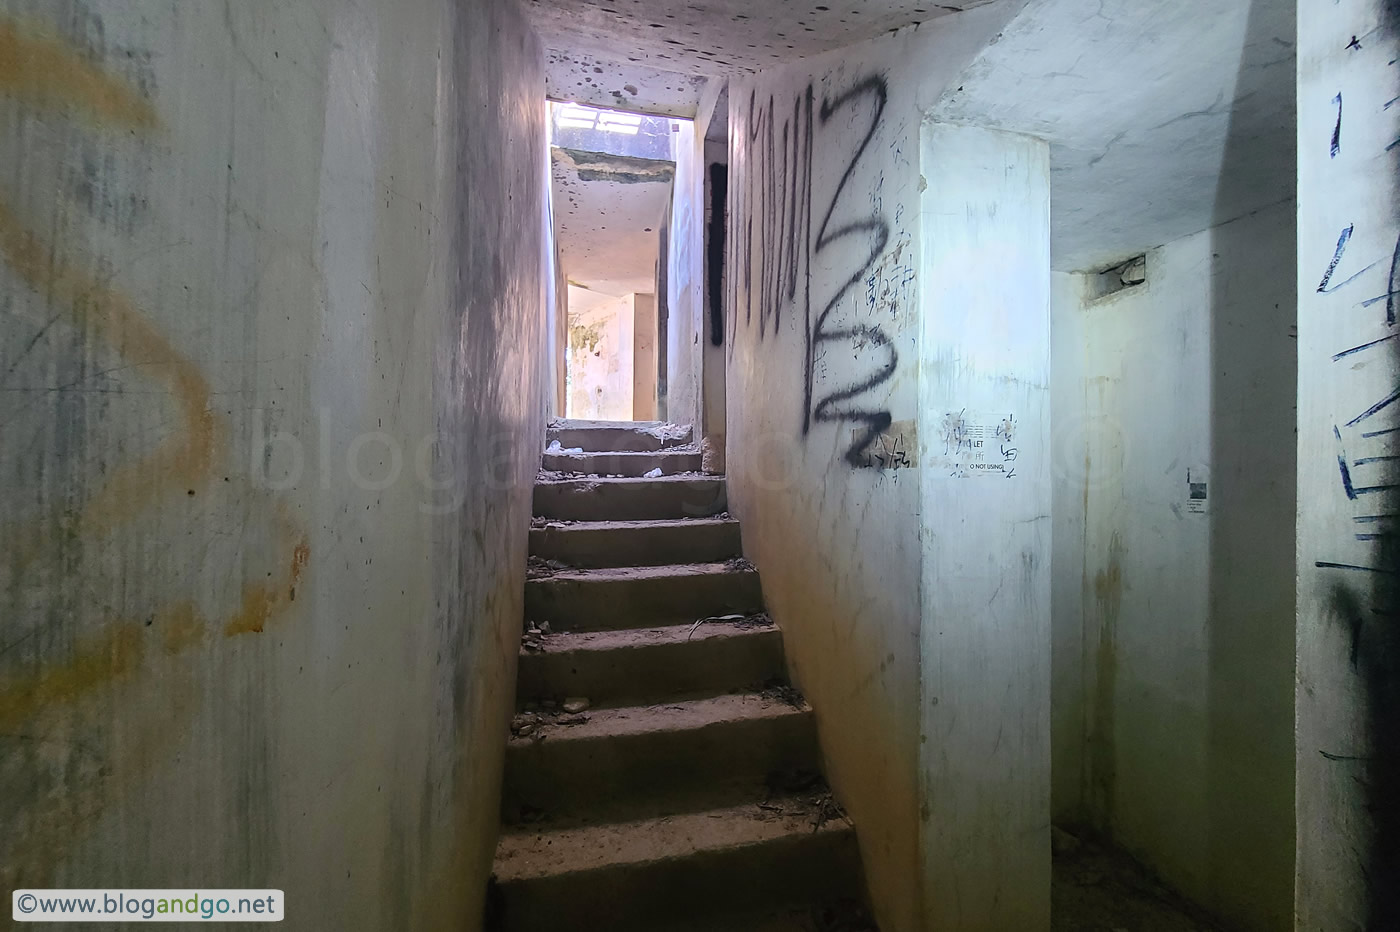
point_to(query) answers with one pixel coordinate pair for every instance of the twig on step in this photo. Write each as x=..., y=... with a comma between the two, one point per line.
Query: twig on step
x=696, y=626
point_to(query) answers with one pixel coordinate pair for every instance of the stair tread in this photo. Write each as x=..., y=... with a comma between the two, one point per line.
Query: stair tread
x=564, y=524
x=568, y=423
x=524, y=854
x=683, y=479
x=625, y=638
x=622, y=573
x=847, y=917
x=679, y=452
x=679, y=715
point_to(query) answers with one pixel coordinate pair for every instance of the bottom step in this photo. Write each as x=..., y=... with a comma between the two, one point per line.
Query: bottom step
x=754, y=859
x=848, y=916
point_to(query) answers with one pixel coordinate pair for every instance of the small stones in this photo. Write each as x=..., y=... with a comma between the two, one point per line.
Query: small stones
x=525, y=725
x=533, y=637
x=575, y=705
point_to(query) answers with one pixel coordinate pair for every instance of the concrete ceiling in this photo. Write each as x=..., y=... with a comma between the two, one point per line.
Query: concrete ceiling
x=659, y=47
x=1164, y=118
x=599, y=82
x=608, y=209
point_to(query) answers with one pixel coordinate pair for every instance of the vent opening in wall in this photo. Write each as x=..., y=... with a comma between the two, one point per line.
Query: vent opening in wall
x=1120, y=277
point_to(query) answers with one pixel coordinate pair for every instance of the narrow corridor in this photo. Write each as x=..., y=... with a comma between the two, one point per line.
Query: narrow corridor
x=1043, y=351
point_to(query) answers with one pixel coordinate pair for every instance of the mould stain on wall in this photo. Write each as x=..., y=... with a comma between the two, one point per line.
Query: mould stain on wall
x=1108, y=601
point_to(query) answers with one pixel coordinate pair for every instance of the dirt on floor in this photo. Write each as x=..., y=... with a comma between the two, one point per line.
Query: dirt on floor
x=1096, y=889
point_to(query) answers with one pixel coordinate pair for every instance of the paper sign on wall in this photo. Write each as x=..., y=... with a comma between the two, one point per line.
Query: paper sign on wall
x=974, y=445
x=1198, y=490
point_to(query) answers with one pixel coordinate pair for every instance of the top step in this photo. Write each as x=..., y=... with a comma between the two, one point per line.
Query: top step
x=618, y=436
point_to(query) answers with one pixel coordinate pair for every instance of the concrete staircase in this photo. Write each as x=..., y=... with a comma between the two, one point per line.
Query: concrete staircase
x=660, y=775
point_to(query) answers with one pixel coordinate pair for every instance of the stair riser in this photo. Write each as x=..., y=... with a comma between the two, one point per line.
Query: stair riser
x=640, y=500
x=590, y=548
x=633, y=465
x=668, y=768
x=796, y=869
x=613, y=439
x=615, y=604
x=654, y=672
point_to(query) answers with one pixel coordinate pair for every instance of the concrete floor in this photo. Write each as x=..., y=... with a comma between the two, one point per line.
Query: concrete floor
x=1099, y=890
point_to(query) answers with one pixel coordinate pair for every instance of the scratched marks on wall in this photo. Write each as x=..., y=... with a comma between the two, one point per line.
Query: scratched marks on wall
x=1357, y=283
x=815, y=252
x=59, y=668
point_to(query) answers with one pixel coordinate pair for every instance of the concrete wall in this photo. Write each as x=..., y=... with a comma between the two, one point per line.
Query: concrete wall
x=644, y=357
x=1348, y=643
x=984, y=430
x=273, y=351
x=822, y=402
x=557, y=300
x=684, y=255
x=600, y=357
x=1172, y=616
x=714, y=356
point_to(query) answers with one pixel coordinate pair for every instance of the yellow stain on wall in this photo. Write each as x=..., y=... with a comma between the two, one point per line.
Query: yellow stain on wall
x=49, y=73
x=45, y=72
x=120, y=650
x=184, y=459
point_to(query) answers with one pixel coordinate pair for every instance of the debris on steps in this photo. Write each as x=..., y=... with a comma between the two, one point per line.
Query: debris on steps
x=599, y=544
x=613, y=598
x=661, y=772
x=638, y=666
x=596, y=498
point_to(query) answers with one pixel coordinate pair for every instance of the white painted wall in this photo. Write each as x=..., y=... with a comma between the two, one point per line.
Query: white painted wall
x=601, y=348
x=685, y=281
x=1348, y=644
x=273, y=351
x=984, y=506
x=849, y=604
x=1172, y=629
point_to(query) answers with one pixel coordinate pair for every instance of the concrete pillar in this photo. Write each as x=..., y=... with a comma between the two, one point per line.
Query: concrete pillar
x=1348, y=672
x=644, y=357
x=984, y=753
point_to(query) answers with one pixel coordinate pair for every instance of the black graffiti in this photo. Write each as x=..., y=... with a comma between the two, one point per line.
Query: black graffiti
x=1363, y=586
x=714, y=250
x=1337, y=131
x=877, y=230
x=1325, y=286
x=776, y=193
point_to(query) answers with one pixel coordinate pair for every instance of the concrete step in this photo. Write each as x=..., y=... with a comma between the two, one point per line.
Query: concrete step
x=618, y=436
x=643, y=874
x=670, y=462
x=639, y=666
x=641, y=596
x=610, y=764
x=834, y=915
x=594, y=544
x=630, y=499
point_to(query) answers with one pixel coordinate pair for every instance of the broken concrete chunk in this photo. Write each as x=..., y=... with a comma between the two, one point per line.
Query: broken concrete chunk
x=575, y=705
x=652, y=474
